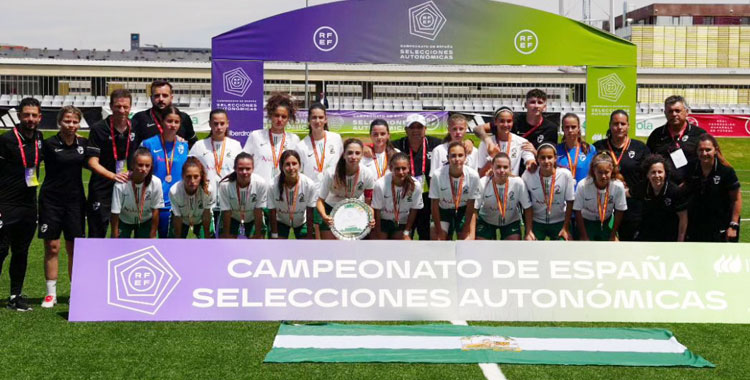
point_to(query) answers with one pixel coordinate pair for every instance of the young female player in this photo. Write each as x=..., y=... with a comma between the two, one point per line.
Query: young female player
x=62, y=201
x=266, y=145
x=169, y=156
x=217, y=152
x=291, y=200
x=502, y=200
x=321, y=148
x=242, y=196
x=505, y=141
x=382, y=148
x=348, y=180
x=714, y=213
x=457, y=127
x=665, y=215
x=598, y=197
x=454, y=190
x=396, y=198
x=552, y=195
x=628, y=155
x=136, y=203
x=573, y=152
x=193, y=199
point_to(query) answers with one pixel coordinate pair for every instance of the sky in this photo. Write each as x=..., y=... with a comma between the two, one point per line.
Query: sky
x=185, y=23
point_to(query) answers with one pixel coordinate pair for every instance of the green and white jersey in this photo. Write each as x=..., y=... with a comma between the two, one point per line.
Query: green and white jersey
x=443, y=186
x=190, y=207
x=331, y=145
x=383, y=199
x=440, y=158
x=587, y=196
x=243, y=201
x=539, y=194
x=204, y=151
x=517, y=201
x=307, y=196
x=332, y=192
x=515, y=152
x=129, y=201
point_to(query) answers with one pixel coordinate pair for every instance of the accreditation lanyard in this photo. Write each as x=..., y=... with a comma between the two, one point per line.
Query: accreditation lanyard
x=532, y=130
x=139, y=205
x=679, y=136
x=573, y=165
x=240, y=203
x=219, y=162
x=158, y=124
x=319, y=160
x=507, y=147
x=396, y=202
x=23, y=154
x=273, y=148
x=502, y=203
x=291, y=202
x=381, y=169
x=119, y=164
x=622, y=152
x=167, y=159
x=548, y=199
x=351, y=187
x=459, y=190
x=424, y=157
x=602, y=208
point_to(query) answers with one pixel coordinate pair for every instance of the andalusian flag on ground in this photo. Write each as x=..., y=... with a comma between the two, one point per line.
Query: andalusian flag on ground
x=478, y=344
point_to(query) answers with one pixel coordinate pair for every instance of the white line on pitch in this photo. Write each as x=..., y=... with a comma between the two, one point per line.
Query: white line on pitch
x=490, y=370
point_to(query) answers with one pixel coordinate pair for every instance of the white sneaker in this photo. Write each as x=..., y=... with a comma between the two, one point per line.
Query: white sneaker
x=49, y=301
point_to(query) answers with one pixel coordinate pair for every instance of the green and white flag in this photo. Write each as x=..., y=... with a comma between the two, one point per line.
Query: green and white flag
x=478, y=344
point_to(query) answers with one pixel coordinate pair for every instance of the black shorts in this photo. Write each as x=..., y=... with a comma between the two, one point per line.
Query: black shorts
x=54, y=218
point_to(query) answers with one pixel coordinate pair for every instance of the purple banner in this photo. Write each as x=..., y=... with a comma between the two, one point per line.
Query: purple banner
x=237, y=87
x=358, y=122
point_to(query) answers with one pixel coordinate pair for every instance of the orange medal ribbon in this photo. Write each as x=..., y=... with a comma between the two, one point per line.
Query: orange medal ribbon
x=320, y=162
x=218, y=163
x=548, y=199
x=573, y=166
x=602, y=209
x=273, y=148
x=502, y=204
x=457, y=200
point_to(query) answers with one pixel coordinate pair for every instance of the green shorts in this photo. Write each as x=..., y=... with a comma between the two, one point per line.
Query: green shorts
x=390, y=228
x=323, y=226
x=489, y=231
x=284, y=230
x=456, y=219
x=197, y=229
x=138, y=231
x=234, y=228
x=542, y=231
x=597, y=231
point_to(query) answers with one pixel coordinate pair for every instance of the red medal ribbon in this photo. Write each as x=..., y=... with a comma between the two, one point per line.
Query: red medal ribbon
x=114, y=146
x=23, y=154
x=424, y=157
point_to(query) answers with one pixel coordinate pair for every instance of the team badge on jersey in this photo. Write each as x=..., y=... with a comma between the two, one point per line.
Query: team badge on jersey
x=667, y=202
x=717, y=179
x=631, y=153
x=684, y=138
x=539, y=139
x=79, y=150
x=180, y=149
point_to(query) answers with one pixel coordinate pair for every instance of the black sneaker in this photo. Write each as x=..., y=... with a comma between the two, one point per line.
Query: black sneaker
x=18, y=303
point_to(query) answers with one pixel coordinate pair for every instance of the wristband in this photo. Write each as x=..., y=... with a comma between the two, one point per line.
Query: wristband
x=734, y=225
x=407, y=232
x=274, y=235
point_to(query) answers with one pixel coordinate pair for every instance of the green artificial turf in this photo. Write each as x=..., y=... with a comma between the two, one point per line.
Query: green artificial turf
x=42, y=344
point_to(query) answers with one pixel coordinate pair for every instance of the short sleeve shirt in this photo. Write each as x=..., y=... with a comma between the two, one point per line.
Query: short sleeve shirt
x=177, y=152
x=63, y=170
x=100, y=145
x=333, y=192
x=267, y=151
x=191, y=207
x=440, y=158
x=582, y=165
x=546, y=133
x=327, y=151
x=514, y=150
x=518, y=200
x=285, y=202
x=588, y=196
x=540, y=195
x=243, y=205
x=135, y=207
x=209, y=154
x=384, y=200
x=443, y=187
x=661, y=142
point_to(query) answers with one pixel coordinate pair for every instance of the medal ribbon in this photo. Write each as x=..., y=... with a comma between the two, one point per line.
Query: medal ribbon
x=273, y=148
x=239, y=200
x=23, y=154
x=548, y=200
x=349, y=193
x=396, y=202
x=573, y=166
x=322, y=160
x=457, y=200
x=114, y=146
x=385, y=164
x=291, y=202
x=602, y=209
x=218, y=163
x=139, y=205
x=502, y=204
x=622, y=152
x=158, y=124
x=169, y=160
x=424, y=157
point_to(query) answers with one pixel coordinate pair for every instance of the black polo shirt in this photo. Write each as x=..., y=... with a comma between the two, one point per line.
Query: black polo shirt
x=546, y=133
x=17, y=201
x=63, y=166
x=660, y=221
x=402, y=144
x=662, y=143
x=630, y=168
x=144, y=127
x=100, y=145
x=710, y=208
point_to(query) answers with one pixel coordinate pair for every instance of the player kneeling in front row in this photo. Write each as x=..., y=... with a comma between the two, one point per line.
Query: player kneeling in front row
x=242, y=197
x=292, y=199
x=192, y=200
x=136, y=203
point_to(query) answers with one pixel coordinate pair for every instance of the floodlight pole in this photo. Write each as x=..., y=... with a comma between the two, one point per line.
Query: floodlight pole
x=307, y=93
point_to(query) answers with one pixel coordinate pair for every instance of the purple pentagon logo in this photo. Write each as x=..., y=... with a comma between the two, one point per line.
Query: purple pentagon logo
x=140, y=281
x=236, y=82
